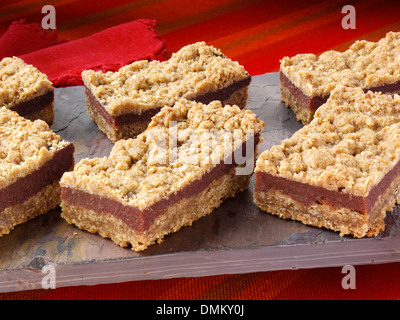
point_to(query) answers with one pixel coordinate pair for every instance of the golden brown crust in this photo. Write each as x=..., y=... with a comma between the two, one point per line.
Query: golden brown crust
x=141, y=171
x=183, y=213
x=45, y=200
x=344, y=220
x=365, y=64
x=20, y=82
x=118, y=132
x=193, y=71
x=350, y=145
x=302, y=112
x=24, y=146
x=131, y=130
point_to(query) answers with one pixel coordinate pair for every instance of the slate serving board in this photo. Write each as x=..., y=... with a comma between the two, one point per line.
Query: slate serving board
x=236, y=238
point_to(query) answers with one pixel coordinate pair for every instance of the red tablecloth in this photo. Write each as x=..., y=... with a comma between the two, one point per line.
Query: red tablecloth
x=257, y=34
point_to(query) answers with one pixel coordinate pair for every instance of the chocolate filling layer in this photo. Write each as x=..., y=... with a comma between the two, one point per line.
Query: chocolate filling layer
x=141, y=220
x=311, y=104
x=314, y=103
x=34, y=105
x=309, y=195
x=224, y=93
x=28, y=186
x=115, y=121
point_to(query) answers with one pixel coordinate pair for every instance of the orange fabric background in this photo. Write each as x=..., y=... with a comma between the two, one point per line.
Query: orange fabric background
x=257, y=34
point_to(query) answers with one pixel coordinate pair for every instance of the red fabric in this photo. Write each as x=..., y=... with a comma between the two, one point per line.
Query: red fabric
x=21, y=38
x=107, y=50
x=371, y=282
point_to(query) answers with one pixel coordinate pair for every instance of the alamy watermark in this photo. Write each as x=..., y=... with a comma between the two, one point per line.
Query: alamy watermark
x=349, y=280
x=200, y=147
x=49, y=278
x=212, y=309
x=349, y=20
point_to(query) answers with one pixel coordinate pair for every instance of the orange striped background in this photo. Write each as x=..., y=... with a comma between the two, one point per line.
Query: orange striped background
x=257, y=34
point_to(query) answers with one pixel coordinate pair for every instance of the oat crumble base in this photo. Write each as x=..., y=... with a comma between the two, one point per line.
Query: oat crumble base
x=192, y=71
x=136, y=173
x=20, y=82
x=24, y=146
x=349, y=146
x=365, y=64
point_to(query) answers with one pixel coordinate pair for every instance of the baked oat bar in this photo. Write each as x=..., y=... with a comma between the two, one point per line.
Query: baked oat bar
x=26, y=90
x=342, y=170
x=182, y=167
x=32, y=160
x=122, y=103
x=306, y=80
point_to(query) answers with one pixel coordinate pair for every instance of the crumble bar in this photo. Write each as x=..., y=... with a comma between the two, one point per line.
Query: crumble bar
x=342, y=170
x=26, y=90
x=306, y=80
x=32, y=160
x=123, y=102
x=182, y=167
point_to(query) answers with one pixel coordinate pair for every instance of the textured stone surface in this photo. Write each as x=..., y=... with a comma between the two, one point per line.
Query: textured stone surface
x=237, y=238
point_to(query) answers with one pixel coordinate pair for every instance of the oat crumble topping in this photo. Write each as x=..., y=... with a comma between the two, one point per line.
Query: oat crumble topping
x=143, y=170
x=352, y=142
x=24, y=146
x=194, y=70
x=365, y=64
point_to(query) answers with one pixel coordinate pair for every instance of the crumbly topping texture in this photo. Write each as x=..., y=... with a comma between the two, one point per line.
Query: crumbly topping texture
x=365, y=64
x=181, y=144
x=24, y=146
x=20, y=82
x=194, y=70
x=351, y=144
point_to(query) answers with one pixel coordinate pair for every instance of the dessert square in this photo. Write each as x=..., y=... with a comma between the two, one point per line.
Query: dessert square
x=123, y=102
x=342, y=170
x=306, y=80
x=26, y=90
x=32, y=160
x=185, y=164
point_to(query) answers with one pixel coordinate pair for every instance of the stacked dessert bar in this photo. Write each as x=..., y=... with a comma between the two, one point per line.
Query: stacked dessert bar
x=32, y=161
x=306, y=80
x=340, y=171
x=122, y=103
x=184, y=143
x=26, y=90
x=179, y=169
x=195, y=146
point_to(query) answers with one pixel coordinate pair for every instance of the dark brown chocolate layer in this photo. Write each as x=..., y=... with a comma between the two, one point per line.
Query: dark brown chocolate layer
x=141, y=220
x=386, y=88
x=31, y=184
x=146, y=115
x=311, y=104
x=224, y=93
x=34, y=105
x=116, y=121
x=314, y=103
x=308, y=194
